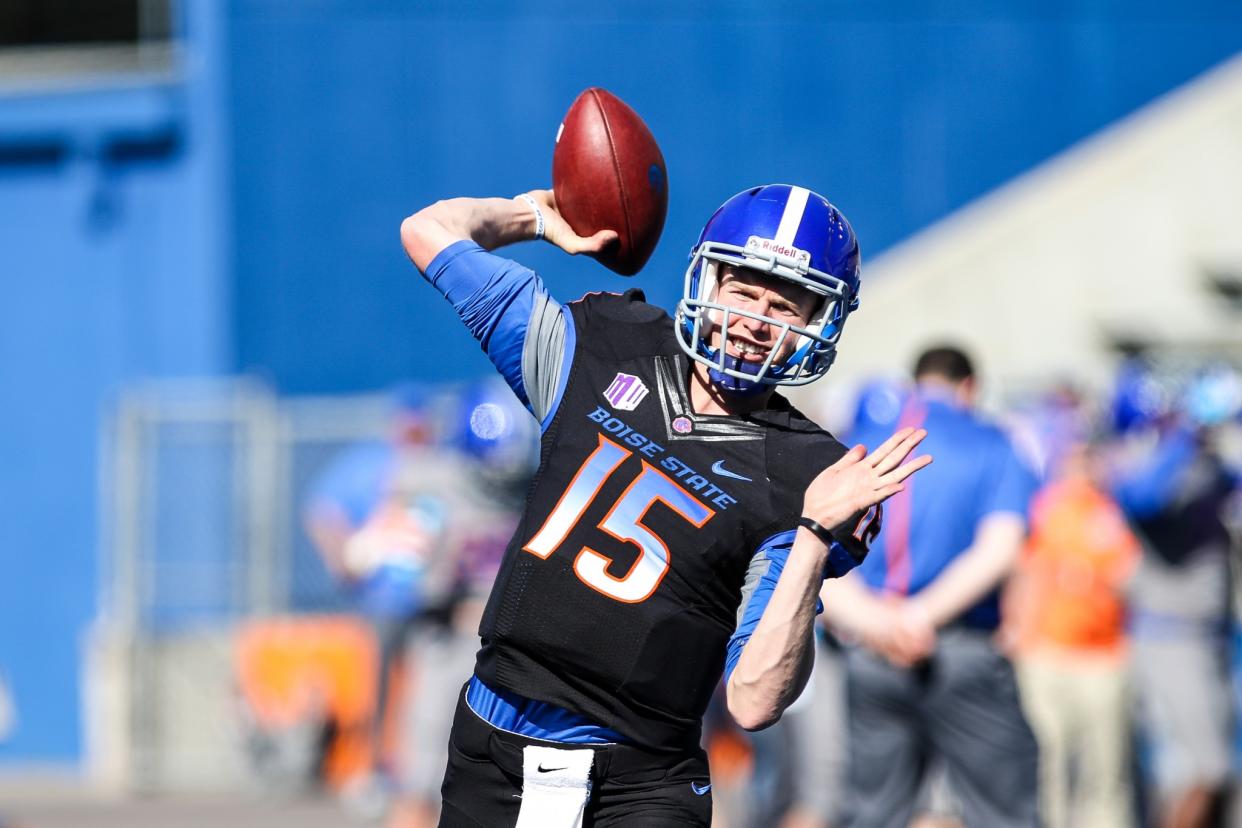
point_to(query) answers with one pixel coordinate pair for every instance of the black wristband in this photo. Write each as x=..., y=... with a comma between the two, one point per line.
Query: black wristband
x=840, y=558
x=817, y=530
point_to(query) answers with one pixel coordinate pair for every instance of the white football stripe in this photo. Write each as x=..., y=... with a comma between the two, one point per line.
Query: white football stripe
x=792, y=217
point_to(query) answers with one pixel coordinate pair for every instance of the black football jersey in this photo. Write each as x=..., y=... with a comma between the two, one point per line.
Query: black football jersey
x=620, y=590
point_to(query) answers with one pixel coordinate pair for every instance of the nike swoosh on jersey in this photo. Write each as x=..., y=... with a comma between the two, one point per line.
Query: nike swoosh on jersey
x=700, y=791
x=718, y=468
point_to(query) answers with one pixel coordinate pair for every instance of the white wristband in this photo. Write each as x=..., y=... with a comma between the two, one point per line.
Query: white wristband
x=534, y=205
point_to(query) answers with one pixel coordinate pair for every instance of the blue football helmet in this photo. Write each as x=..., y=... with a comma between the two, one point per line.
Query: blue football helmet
x=789, y=233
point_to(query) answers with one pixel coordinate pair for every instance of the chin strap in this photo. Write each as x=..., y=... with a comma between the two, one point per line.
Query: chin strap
x=737, y=386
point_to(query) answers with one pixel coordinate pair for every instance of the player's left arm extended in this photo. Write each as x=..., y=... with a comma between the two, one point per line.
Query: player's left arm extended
x=776, y=661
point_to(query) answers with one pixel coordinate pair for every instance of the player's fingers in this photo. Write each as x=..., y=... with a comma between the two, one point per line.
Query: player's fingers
x=900, y=451
x=846, y=460
x=885, y=492
x=905, y=470
x=888, y=446
x=600, y=241
x=589, y=244
x=562, y=235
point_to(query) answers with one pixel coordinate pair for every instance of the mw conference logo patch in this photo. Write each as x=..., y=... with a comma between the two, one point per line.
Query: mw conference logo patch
x=626, y=392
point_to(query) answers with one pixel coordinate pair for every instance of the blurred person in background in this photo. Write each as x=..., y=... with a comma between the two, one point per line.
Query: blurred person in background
x=1172, y=485
x=381, y=516
x=928, y=681
x=495, y=442
x=1065, y=625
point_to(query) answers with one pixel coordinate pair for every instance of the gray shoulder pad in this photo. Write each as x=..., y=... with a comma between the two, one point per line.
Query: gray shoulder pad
x=543, y=354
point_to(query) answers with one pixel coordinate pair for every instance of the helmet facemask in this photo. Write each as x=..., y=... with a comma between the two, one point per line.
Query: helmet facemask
x=699, y=313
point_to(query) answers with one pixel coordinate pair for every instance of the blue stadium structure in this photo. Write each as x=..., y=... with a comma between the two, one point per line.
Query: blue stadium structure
x=235, y=208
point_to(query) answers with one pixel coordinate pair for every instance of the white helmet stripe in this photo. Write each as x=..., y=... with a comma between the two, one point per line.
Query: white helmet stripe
x=792, y=217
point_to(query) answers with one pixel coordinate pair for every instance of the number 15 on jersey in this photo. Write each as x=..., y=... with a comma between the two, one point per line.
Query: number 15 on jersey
x=623, y=522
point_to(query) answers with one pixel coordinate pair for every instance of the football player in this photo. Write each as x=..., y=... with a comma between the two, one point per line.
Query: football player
x=683, y=516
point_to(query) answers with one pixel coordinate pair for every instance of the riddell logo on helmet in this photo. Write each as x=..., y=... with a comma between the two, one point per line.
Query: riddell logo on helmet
x=770, y=246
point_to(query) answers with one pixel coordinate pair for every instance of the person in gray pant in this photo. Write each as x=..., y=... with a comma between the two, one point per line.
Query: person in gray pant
x=927, y=680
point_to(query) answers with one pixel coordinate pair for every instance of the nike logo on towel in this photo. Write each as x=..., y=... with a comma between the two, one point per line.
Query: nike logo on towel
x=718, y=468
x=542, y=769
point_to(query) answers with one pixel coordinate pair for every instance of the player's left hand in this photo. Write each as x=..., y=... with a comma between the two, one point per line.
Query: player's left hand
x=860, y=480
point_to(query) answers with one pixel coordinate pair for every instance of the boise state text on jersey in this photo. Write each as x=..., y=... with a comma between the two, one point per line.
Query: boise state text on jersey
x=686, y=474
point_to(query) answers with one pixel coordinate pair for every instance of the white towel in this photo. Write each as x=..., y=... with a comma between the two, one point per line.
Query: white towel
x=556, y=784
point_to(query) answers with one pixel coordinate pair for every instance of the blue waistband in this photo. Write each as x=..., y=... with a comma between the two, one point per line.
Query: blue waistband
x=536, y=719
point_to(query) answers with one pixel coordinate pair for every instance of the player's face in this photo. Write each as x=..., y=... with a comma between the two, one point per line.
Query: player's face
x=750, y=339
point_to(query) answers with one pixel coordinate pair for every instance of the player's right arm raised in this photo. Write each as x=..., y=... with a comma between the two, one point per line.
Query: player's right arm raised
x=492, y=223
x=522, y=329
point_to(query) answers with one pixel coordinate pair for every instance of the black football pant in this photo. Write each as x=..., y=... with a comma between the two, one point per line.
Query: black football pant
x=630, y=786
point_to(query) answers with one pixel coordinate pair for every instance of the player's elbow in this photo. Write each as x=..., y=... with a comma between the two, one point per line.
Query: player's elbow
x=409, y=228
x=750, y=712
x=752, y=717
x=416, y=227
x=422, y=235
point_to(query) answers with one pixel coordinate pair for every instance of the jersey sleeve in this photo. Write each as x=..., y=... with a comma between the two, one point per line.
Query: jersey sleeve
x=527, y=334
x=851, y=541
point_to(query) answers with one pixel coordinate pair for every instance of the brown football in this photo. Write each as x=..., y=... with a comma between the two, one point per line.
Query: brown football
x=608, y=174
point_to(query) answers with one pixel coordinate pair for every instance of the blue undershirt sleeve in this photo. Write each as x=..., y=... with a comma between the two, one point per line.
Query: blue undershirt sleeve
x=526, y=333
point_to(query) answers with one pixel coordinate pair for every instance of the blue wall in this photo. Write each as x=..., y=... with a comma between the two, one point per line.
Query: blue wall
x=350, y=114
x=113, y=242
x=255, y=226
